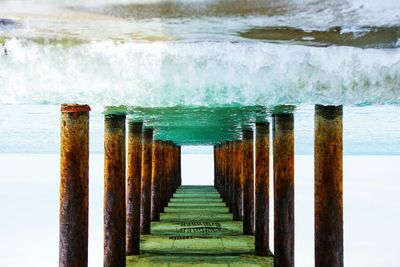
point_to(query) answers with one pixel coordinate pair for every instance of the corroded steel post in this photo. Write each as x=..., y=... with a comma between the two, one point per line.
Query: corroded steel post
x=114, y=191
x=216, y=167
x=156, y=174
x=224, y=169
x=283, y=147
x=262, y=189
x=328, y=186
x=236, y=164
x=169, y=170
x=133, y=189
x=241, y=179
x=230, y=175
x=162, y=176
x=248, y=182
x=221, y=166
x=74, y=185
x=166, y=173
x=145, y=204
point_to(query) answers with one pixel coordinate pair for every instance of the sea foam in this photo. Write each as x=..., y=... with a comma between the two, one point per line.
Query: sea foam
x=197, y=73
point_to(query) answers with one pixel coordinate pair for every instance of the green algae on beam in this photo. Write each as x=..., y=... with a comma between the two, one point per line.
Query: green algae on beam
x=115, y=110
x=283, y=109
x=198, y=125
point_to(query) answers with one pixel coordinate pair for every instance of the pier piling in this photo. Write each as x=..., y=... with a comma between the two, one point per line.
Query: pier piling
x=283, y=152
x=236, y=165
x=74, y=186
x=262, y=189
x=133, y=190
x=145, y=204
x=156, y=180
x=328, y=186
x=248, y=182
x=114, y=191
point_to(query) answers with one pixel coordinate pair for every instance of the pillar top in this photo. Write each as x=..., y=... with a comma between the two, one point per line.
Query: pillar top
x=328, y=112
x=71, y=108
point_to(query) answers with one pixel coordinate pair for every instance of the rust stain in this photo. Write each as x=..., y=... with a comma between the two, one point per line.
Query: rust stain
x=262, y=189
x=133, y=188
x=147, y=147
x=114, y=191
x=328, y=185
x=156, y=180
x=283, y=149
x=248, y=182
x=74, y=186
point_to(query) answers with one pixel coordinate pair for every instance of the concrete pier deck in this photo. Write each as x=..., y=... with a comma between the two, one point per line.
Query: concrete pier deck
x=197, y=229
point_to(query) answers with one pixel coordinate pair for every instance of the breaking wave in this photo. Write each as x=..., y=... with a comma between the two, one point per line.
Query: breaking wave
x=197, y=73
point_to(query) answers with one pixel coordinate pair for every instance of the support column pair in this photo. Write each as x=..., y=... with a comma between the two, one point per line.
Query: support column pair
x=328, y=158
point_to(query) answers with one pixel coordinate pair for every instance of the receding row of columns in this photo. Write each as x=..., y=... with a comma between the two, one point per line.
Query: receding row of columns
x=242, y=178
x=137, y=185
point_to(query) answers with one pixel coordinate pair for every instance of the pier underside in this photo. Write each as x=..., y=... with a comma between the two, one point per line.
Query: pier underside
x=197, y=229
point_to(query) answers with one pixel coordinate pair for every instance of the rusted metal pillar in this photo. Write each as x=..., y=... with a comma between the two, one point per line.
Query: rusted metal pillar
x=236, y=165
x=133, y=189
x=74, y=185
x=145, y=203
x=230, y=175
x=156, y=180
x=169, y=169
x=162, y=176
x=216, y=167
x=262, y=189
x=166, y=173
x=328, y=186
x=240, y=173
x=224, y=169
x=114, y=191
x=283, y=147
x=248, y=182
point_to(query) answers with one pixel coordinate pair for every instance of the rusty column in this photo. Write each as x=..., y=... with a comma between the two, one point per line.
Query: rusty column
x=283, y=149
x=248, y=182
x=169, y=172
x=224, y=171
x=221, y=169
x=114, y=190
x=236, y=164
x=162, y=176
x=328, y=186
x=156, y=174
x=227, y=163
x=145, y=204
x=240, y=180
x=165, y=176
x=74, y=185
x=230, y=175
x=216, y=169
x=262, y=189
x=133, y=189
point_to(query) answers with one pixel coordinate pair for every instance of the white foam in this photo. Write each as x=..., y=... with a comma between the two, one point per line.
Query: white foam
x=204, y=73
